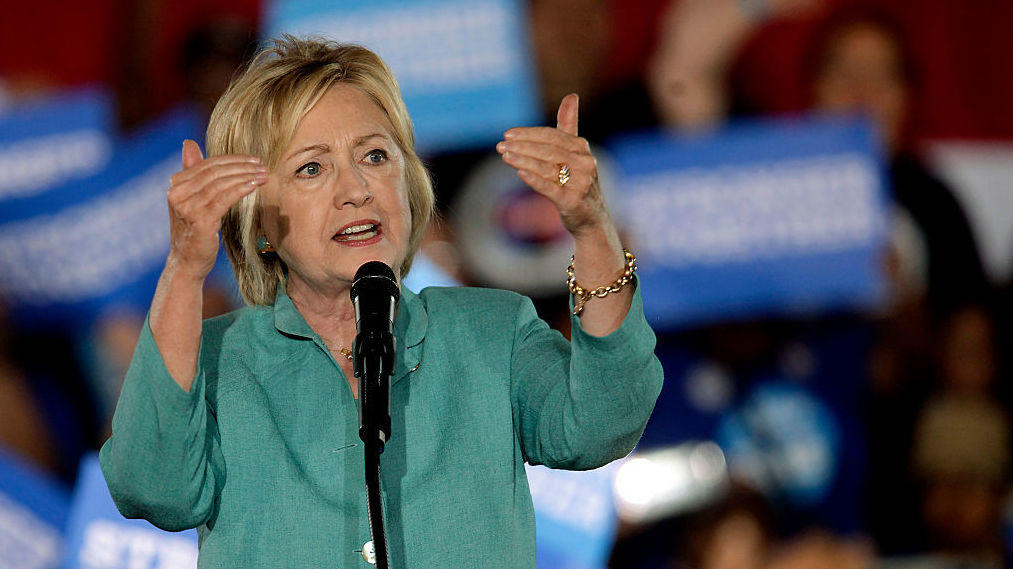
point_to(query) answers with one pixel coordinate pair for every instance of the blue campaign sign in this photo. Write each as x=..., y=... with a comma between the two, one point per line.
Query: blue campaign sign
x=33, y=511
x=575, y=516
x=98, y=537
x=67, y=254
x=49, y=142
x=464, y=66
x=764, y=217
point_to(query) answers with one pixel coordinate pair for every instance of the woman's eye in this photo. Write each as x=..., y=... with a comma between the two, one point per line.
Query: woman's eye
x=310, y=169
x=376, y=156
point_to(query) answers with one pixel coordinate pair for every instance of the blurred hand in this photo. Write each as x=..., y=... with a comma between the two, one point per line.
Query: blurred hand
x=793, y=8
x=538, y=152
x=199, y=196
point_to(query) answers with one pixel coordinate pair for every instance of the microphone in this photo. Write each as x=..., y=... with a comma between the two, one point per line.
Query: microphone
x=375, y=294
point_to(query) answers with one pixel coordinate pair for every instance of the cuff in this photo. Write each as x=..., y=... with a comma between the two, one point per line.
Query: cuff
x=632, y=332
x=148, y=367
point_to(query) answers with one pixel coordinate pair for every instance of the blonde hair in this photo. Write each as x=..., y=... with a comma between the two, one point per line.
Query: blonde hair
x=258, y=115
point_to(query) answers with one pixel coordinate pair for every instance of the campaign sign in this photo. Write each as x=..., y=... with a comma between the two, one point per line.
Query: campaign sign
x=70, y=252
x=764, y=217
x=98, y=537
x=33, y=511
x=575, y=516
x=464, y=66
x=49, y=142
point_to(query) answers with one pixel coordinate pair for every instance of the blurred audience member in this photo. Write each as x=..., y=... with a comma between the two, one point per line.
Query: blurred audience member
x=23, y=428
x=735, y=534
x=962, y=443
x=106, y=351
x=739, y=532
x=685, y=86
x=687, y=77
x=570, y=39
x=961, y=457
x=212, y=54
x=859, y=62
x=108, y=347
x=47, y=413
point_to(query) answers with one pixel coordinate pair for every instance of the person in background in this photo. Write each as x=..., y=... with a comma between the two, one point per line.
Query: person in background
x=961, y=450
x=23, y=430
x=47, y=414
x=860, y=63
x=211, y=54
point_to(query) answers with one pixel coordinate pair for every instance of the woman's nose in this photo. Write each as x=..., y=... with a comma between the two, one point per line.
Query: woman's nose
x=352, y=189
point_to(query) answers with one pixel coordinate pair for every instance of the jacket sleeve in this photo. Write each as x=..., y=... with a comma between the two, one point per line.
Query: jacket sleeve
x=163, y=461
x=582, y=404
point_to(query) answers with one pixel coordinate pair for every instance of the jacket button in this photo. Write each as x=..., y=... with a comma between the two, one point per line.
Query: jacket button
x=368, y=553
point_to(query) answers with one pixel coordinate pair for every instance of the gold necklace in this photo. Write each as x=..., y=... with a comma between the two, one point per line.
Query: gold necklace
x=346, y=352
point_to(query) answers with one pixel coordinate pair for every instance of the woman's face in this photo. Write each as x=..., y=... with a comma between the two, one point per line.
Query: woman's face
x=864, y=73
x=338, y=196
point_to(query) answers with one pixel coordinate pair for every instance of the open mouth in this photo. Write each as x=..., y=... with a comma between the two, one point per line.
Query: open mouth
x=358, y=231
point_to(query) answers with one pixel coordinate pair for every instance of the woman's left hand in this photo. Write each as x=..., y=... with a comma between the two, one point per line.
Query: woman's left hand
x=539, y=155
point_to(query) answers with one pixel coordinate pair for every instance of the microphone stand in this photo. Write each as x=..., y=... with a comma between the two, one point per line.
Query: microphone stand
x=373, y=365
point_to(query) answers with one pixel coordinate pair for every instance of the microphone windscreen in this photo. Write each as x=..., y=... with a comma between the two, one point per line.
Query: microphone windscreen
x=375, y=277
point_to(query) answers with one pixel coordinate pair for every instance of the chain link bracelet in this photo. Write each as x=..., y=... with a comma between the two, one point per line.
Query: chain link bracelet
x=581, y=295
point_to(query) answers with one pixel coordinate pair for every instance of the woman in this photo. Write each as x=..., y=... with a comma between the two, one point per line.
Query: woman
x=243, y=426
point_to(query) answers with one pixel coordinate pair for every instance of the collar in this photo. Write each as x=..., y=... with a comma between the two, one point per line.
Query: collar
x=410, y=326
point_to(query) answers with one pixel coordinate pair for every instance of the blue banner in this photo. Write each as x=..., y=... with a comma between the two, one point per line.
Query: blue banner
x=765, y=217
x=98, y=537
x=464, y=66
x=33, y=511
x=47, y=143
x=74, y=250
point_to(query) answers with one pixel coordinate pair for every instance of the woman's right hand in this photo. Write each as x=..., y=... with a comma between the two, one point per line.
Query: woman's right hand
x=199, y=196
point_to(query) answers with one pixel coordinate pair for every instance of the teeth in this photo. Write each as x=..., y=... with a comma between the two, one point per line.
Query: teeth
x=360, y=236
x=357, y=228
x=359, y=233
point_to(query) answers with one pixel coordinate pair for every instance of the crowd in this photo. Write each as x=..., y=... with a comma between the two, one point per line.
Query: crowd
x=908, y=406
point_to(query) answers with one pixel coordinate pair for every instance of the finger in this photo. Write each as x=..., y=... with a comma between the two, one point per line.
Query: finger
x=191, y=154
x=207, y=208
x=544, y=169
x=225, y=184
x=566, y=116
x=205, y=164
x=547, y=135
x=549, y=189
x=202, y=192
x=199, y=176
x=541, y=151
x=229, y=196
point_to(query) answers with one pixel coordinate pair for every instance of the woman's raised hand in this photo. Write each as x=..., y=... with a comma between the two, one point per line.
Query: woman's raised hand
x=199, y=196
x=558, y=164
x=540, y=153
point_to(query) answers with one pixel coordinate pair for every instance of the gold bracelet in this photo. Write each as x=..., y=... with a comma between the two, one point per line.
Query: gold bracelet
x=582, y=295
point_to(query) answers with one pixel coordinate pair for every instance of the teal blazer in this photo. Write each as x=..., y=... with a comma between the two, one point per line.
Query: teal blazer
x=263, y=457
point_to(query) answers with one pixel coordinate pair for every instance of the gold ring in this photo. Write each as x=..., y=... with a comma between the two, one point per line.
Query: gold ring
x=563, y=176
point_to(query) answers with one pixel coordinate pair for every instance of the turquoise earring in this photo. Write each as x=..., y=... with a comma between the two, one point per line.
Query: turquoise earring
x=264, y=246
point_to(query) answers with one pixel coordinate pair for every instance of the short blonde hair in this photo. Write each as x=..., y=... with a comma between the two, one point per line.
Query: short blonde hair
x=258, y=115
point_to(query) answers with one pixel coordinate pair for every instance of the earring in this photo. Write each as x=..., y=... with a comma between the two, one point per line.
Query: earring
x=264, y=246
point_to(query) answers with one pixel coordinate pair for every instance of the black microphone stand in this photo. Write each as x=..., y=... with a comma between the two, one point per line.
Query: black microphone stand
x=373, y=365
